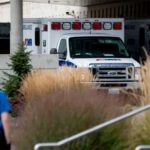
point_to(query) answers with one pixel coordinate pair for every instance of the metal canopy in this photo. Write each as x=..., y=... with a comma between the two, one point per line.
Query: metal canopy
x=73, y=2
x=68, y=2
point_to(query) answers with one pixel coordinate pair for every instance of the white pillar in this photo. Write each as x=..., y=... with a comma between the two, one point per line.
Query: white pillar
x=16, y=32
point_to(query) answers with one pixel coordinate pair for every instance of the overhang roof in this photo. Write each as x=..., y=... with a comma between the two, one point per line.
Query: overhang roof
x=68, y=2
x=74, y=2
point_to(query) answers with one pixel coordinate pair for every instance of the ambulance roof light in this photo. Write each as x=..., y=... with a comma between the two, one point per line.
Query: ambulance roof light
x=107, y=25
x=76, y=25
x=86, y=25
x=117, y=26
x=45, y=27
x=56, y=25
x=97, y=25
x=66, y=26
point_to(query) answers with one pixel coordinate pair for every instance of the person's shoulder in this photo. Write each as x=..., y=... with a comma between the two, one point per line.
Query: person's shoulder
x=4, y=102
x=2, y=93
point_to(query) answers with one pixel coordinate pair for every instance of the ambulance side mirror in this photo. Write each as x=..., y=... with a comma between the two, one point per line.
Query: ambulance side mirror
x=53, y=51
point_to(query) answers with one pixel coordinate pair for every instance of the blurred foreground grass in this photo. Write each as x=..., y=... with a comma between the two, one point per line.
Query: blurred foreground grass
x=58, y=105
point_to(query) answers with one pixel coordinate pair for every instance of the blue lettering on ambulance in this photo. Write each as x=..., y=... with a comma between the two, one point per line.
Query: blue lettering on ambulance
x=28, y=42
x=66, y=63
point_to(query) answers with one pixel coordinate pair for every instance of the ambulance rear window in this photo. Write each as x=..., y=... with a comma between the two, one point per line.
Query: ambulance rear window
x=93, y=47
x=37, y=36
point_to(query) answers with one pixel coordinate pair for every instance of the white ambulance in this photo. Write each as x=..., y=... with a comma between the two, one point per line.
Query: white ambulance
x=94, y=43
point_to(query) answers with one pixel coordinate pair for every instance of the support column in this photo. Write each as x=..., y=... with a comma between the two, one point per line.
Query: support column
x=16, y=31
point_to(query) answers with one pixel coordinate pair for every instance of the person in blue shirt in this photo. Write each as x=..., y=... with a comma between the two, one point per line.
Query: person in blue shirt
x=5, y=109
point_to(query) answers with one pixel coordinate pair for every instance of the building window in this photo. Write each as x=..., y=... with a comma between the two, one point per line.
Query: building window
x=131, y=11
x=135, y=10
x=127, y=11
x=140, y=10
x=102, y=12
x=114, y=12
x=99, y=13
x=91, y=13
x=147, y=9
x=148, y=4
x=122, y=11
x=110, y=13
x=118, y=11
x=84, y=14
x=95, y=14
x=106, y=12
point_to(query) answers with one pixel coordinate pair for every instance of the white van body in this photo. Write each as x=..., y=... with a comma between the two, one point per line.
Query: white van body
x=80, y=42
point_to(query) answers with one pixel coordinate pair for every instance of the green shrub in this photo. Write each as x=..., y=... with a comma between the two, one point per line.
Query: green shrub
x=20, y=65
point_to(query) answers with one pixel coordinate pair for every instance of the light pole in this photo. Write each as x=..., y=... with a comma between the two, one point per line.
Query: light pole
x=16, y=31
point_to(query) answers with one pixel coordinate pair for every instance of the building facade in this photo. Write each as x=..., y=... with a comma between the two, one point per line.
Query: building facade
x=43, y=10
x=129, y=9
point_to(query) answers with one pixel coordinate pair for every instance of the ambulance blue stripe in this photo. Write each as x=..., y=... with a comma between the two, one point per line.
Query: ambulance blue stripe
x=66, y=63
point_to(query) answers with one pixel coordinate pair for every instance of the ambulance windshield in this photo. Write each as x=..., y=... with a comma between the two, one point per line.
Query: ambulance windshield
x=93, y=47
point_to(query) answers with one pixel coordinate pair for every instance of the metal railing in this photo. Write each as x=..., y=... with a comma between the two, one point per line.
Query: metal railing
x=143, y=147
x=88, y=131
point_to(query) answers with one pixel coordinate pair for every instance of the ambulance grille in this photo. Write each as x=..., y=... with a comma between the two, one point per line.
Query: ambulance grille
x=112, y=72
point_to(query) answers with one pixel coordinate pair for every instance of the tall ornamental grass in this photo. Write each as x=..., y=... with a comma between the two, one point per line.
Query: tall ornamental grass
x=57, y=116
x=41, y=82
x=140, y=130
x=61, y=103
x=145, y=82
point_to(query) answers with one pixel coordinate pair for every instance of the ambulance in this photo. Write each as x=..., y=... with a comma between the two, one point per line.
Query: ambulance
x=93, y=43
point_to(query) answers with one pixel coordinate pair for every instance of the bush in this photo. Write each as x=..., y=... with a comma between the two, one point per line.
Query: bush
x=20, y=65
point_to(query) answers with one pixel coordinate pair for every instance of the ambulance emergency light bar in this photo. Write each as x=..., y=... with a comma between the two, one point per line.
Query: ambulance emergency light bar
x=84, y=25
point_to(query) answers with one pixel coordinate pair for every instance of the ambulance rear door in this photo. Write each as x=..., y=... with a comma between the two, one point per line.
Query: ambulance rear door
x=32, y=37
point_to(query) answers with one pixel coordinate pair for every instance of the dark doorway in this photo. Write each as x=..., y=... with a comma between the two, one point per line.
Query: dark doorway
x=5, y=46
x=4, y=38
